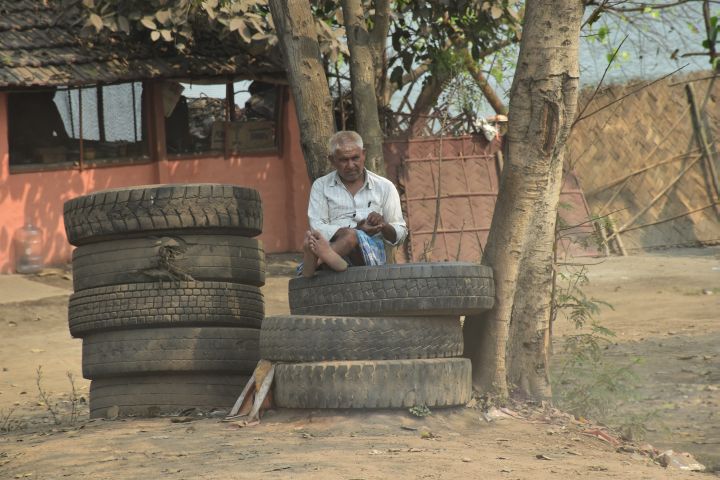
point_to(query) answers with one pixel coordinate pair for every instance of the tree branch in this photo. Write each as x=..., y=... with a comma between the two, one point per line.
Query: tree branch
x=490, y=95
x=592, y=97
x=629, y=94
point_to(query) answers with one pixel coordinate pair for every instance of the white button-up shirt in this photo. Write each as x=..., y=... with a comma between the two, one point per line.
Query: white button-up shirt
x=332, y=206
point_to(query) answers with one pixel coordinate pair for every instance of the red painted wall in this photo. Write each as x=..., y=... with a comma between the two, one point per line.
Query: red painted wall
x=38, y=197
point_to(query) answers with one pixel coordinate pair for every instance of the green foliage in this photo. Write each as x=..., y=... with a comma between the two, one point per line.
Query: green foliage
x=420, y=411
x=423, y=31
x=712, y=40
x=177, y=23
x=586, y=382
x=570, y=300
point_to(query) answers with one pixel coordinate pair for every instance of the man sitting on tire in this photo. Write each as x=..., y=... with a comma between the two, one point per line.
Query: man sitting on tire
x=352, y=212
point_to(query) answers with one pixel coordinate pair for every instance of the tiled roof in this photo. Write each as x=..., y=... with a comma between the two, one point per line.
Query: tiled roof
x=42, y=45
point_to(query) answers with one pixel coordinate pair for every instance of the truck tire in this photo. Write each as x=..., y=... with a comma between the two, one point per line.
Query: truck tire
x=164, y=304
x=137, y=211
x=418, y=289
x=170, y=350
x=441, y=382
x=223, y=258
x=301, y=338
x=154, y=395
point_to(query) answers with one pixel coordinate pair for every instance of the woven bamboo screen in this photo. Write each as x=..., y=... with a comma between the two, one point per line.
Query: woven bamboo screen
x=639, y=161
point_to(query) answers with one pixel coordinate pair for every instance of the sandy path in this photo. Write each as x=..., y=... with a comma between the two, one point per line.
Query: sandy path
x=660, y=314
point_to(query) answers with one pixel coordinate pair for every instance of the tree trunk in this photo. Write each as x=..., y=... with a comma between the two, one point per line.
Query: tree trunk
x=378, y=46
x=362, y=79
x=426, y=100
x=543, y=101
x=298, y=41
x=529, y=349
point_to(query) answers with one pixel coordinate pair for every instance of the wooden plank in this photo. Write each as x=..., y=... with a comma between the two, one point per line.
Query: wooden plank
x=701, y=138
x=262, y=394
x=241, y=399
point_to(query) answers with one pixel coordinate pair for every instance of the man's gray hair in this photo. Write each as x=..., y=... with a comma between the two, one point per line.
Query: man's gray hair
x=344, y=137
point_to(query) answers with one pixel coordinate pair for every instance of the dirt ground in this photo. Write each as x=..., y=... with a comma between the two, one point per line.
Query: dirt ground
x=666, y=312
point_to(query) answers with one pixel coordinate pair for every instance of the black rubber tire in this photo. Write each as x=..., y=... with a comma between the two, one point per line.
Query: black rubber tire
x=420, y=289
x=170, y=350
x=199, y=207
x=441, y=382
x=301, y=338
x=222, y=258
x=154, y=395
x=164, y=304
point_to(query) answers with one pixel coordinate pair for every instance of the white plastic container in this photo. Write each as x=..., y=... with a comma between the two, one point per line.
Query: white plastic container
x=28, y=250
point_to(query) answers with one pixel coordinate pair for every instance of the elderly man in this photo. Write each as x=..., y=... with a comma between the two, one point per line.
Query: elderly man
x=352, y=212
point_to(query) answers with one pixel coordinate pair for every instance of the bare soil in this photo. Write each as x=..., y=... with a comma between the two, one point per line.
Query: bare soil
x=666, y=312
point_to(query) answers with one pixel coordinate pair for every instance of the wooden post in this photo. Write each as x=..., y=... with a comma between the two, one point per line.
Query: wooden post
x=603, y=236
x=701, y=138
x=615, y=233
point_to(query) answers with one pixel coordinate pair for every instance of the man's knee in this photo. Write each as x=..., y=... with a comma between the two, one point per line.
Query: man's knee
x=348, y=235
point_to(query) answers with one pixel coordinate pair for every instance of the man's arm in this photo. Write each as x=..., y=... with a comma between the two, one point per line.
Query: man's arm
x=391, y=222
x=319, y=212
x=394, y=221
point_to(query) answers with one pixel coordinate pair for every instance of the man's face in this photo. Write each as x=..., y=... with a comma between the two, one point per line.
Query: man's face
x=349, y=161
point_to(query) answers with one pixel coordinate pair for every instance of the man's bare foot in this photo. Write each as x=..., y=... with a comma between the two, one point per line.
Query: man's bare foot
x=321, y=247
x=310, y=259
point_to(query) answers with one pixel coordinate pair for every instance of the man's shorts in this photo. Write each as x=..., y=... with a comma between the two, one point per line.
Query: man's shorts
x=372, y=248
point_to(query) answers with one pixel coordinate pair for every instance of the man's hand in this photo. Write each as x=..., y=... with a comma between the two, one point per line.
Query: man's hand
x=375, y=219
x=375, y=223
x=367, y=227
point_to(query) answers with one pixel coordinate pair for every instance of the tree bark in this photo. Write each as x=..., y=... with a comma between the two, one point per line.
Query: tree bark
x=378, y=46
x=543, y=102
x=426, y=100
x=298, y=41
x=362, y=79
x=529, y=348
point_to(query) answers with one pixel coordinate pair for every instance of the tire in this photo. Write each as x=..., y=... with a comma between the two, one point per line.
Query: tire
x=313, y=339
x=123, y=212
x=170, y=350
x=164, y=394
x=373, y=384
x=419, y=289
x=164, y=304
x=222, y=258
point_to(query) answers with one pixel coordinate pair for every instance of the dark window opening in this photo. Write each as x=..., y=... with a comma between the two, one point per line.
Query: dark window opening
x=209, y=118
x=77, y=126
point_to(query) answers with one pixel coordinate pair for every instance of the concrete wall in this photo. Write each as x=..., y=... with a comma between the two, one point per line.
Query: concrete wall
x=38, y=197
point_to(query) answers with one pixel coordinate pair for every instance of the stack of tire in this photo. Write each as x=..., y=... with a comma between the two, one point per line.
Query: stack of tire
x=377, y=337
x=167, y=298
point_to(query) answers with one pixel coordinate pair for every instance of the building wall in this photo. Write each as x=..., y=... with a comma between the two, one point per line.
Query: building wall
x=38, y=197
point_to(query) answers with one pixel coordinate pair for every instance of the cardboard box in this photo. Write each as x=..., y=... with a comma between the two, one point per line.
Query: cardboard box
x=51, y=154
x=245, y=136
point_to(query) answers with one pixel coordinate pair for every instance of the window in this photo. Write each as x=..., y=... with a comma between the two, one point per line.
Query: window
x=77, y=126
x=219, y=118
